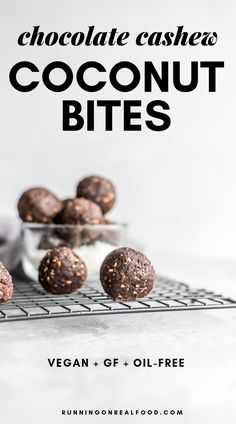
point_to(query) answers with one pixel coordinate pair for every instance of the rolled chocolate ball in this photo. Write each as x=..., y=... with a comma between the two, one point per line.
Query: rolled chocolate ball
x=78, y=212
x=61, y=271
x=6, y=286
x=38, y=205
x=81, y=211
x=127, y=274
x=99, y=190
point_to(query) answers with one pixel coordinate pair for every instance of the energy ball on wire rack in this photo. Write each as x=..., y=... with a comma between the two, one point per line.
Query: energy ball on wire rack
x=61, y=271
x=6, y=286
x=99, y=190
x=127, y=274
x=38, y=205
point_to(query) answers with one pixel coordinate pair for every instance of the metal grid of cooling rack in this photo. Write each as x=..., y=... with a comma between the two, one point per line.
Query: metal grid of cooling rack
x=30, y=301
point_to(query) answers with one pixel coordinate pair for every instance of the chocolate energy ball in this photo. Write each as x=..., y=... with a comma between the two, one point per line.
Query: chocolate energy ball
x=38, y=205
x=61, y=271
x=127, y=274
x=81, y=211
x=99, y=190
x=6, y=286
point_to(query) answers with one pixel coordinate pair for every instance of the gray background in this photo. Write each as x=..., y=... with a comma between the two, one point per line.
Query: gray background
x=176, y=188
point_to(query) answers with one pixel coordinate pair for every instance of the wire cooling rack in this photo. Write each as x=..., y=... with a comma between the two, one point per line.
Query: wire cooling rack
x=30, y=301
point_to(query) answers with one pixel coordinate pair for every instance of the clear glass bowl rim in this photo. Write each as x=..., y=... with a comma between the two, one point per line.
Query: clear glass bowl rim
x=41, y=226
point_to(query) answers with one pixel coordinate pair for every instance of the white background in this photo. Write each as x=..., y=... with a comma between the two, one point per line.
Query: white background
x=176, y=189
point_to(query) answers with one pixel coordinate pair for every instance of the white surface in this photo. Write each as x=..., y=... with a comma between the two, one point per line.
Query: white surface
x=205, y=389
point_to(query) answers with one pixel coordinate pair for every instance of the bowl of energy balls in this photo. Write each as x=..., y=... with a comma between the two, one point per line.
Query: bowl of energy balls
x=68, y=242
x=78, y=223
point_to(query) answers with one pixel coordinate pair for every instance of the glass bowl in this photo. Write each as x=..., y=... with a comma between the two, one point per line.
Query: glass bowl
x=91, y=242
